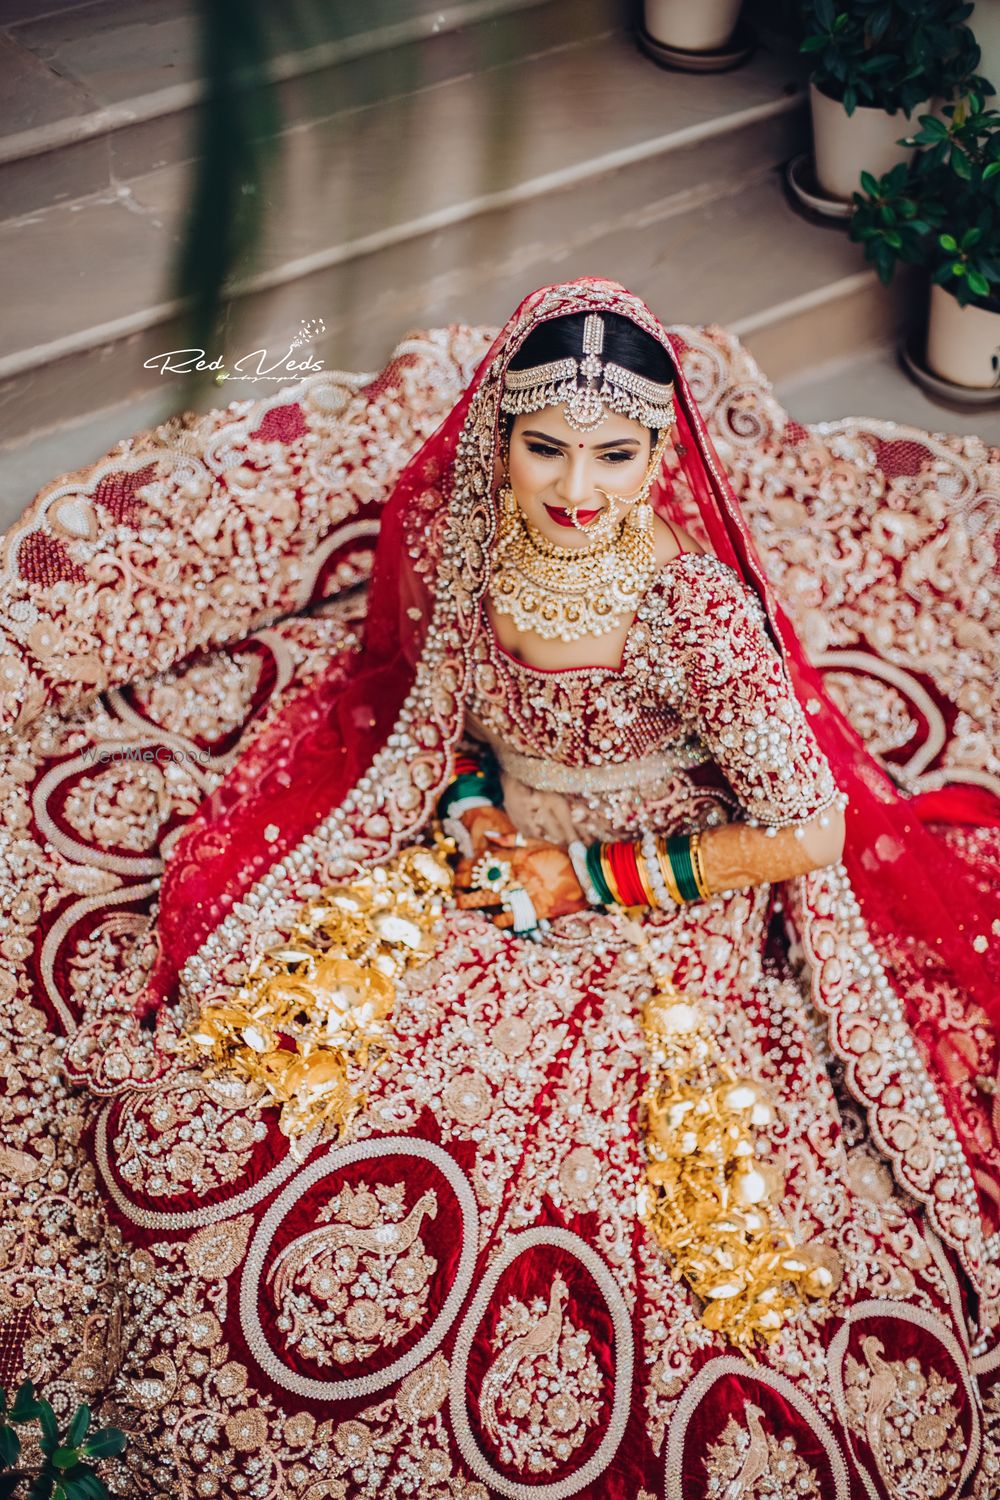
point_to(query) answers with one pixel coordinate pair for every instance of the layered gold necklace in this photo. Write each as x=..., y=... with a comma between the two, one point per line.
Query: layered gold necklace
x=564, y=593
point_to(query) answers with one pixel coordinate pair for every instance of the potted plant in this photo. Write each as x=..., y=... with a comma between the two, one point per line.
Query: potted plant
x=691, y=25
x=941, y=211
x=64, y=1465
x=873, y=63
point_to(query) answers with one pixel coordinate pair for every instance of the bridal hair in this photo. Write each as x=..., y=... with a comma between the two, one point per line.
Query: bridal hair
x=591, y=363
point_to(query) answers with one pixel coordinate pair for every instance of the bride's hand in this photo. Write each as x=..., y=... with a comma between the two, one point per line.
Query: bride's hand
x=544, y=870
x=484, y=824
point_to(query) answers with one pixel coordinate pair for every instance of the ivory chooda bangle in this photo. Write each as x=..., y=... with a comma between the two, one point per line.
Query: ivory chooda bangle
x=654, y=875
x=646, y=878
x=577, y=852
x=666, y=870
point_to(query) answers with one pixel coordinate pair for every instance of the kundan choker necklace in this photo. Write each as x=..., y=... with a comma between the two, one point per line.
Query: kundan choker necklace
x=565, y=593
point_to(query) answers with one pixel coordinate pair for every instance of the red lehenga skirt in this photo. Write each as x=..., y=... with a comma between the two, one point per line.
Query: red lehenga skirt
x=460, y=1299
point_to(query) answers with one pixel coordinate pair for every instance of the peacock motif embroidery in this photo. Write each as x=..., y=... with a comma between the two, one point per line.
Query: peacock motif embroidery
x=360, y=1280
x=908, y=1420
x=749, y=1463
x=540, y=1396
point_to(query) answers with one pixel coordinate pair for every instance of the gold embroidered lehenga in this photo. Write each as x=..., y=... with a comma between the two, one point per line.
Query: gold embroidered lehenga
x=461, y=1297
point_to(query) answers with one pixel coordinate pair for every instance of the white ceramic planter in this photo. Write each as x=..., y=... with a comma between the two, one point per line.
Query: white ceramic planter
x=692, y=25
x=963, y=342
x=846, y=145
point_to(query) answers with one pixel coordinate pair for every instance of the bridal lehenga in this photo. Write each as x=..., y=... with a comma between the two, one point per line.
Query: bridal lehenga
x=461, y=1292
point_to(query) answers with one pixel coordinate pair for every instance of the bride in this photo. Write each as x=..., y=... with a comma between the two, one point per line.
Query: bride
x=669, y=1174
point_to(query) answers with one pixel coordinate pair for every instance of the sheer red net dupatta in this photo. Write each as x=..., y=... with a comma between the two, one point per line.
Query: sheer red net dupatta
x=322, y=744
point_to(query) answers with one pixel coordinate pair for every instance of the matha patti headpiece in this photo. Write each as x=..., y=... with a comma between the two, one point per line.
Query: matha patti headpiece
x=609, y=387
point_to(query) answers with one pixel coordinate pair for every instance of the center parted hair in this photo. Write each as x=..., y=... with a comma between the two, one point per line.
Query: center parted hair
x=624, y=343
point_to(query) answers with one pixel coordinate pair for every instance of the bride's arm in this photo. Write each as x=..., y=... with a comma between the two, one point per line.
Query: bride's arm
x=734, y=688
x=739, y=855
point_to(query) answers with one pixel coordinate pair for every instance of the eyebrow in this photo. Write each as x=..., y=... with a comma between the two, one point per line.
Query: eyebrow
x=558, y=442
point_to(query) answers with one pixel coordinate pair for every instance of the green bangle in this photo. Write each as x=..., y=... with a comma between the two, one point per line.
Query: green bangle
x=596, y=874
x=468, y=785
x=679, y=854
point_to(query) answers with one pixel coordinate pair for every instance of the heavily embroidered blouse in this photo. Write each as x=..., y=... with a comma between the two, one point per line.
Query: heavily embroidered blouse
x=700, y=680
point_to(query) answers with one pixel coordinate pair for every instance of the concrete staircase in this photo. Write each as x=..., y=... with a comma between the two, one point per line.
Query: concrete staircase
x=435, y=165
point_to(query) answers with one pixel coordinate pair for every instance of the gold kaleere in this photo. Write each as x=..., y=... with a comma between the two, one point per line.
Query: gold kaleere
x=710, y=1200
x=310, y=1023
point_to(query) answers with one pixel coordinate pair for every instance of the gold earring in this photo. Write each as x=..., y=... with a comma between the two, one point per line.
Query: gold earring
x=640, y=518
x=507, y=501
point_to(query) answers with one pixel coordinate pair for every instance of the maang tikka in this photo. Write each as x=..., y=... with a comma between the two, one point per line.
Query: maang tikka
x=608, y=387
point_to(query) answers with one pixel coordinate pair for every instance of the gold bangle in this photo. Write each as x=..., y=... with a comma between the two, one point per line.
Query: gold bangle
x=644, y=880
x=697, y=867
x=666, y=870
x=609, y=879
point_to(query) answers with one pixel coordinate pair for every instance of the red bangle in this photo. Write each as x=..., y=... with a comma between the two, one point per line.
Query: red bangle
x=466, y=765
x=626, y=873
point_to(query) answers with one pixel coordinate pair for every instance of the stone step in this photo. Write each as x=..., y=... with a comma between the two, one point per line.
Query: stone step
x=99, y=93
x=445, y=204
x=789, y=288
x=873, y=384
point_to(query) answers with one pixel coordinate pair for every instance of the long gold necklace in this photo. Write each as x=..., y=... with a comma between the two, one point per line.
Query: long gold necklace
x=564, y=593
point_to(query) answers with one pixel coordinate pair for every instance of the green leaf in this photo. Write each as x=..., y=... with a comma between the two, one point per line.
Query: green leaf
x=25, y=1407
x=813, y=44
x=65, y=1458
x=10, y=1446
x=957, y=268
x=104, y=1444
x=991, y=170
x=947, y=242
x=960, y=164
x=879, y=21
x=49, y=1425
x=78, y=1426
x=932, y=129
x=941, y=276
x=978, y=284
x=79, y=1488
x=90, y=1486
x=870, y=184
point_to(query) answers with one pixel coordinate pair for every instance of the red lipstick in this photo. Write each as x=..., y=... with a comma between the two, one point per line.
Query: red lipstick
x=563, y=517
